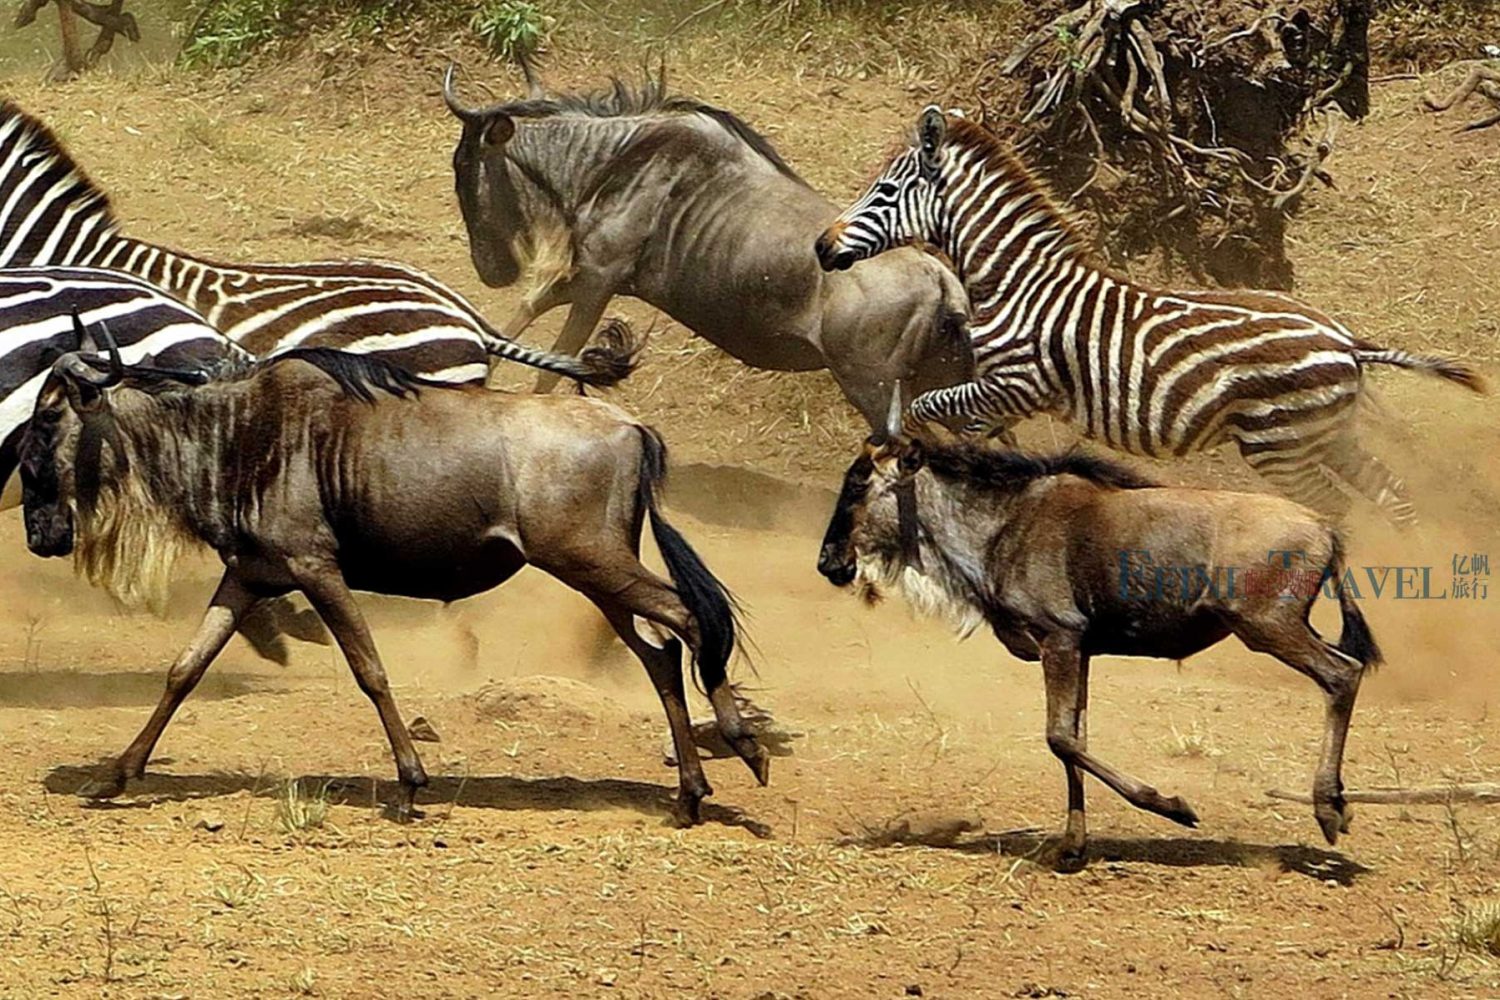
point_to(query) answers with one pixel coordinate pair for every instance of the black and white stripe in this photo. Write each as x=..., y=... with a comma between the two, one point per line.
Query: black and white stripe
x=36, y=328
x=52, y=214
x=1147, y=371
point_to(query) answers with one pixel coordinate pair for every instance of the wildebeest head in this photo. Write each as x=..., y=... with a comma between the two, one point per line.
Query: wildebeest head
x=484, y=179
x=867, y=517
x=899, y=207
x=63, y=449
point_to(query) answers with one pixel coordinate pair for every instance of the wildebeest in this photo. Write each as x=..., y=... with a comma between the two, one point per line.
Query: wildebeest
x=326, y=472
x=1070, y=557
x=682, y=204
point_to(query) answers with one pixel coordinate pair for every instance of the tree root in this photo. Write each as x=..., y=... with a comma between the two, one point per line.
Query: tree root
x=1483, y=80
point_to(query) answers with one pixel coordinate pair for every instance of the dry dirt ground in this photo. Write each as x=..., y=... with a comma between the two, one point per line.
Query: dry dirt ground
x=892, y=855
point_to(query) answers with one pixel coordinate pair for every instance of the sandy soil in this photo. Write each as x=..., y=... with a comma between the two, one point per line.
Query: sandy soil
x=892, y=855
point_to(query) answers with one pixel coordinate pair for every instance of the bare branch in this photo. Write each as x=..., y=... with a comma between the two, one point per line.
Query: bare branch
x=1433, y=795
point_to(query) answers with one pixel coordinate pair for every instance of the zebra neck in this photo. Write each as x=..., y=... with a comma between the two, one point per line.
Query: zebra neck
x=191, y=280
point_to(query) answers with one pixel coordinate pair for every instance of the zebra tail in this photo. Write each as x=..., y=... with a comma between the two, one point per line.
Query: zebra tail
x=608, y=361
x=1436, y=364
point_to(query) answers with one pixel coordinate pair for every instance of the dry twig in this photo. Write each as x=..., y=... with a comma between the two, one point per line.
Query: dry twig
x=1431, y=795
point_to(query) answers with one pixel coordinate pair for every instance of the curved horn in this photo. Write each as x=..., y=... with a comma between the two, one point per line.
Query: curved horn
x=463, y=114
x=893, y=416
x=73, y=366
x=78, y=365
x=116, y=363
x=534, y=91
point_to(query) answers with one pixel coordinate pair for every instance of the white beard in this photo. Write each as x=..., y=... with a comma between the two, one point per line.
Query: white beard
x=927, y=595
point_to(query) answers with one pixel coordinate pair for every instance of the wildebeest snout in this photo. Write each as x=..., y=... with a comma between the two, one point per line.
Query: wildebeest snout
x=836, y=563
x=49, y=531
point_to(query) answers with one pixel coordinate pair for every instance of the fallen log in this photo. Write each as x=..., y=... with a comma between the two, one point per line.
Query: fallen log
x=1435, y=795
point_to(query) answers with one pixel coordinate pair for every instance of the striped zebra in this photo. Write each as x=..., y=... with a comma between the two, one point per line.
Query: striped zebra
x=1147, y=371
x=36, y=327
x=52, y=214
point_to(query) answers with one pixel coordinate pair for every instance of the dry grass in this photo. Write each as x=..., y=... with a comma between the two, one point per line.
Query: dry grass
x=1476, y=929
x=300, y=810
x=1193, y=742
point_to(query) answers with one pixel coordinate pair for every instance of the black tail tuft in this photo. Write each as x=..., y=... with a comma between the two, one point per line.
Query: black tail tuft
x=614, y=354
x=1355, y=639
x=708, y=600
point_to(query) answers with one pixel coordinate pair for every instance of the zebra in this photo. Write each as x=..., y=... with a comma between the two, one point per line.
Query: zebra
x=1147, y=371
x=52, y=214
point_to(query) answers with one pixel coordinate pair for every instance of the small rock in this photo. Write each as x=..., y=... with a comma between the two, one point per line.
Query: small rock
x=421, y=730
x=210, y=821
x=913, y=990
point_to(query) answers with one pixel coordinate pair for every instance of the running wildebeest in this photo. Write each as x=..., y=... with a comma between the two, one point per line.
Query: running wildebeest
x=683, y=205
x=325, y=472
x=1048, y=553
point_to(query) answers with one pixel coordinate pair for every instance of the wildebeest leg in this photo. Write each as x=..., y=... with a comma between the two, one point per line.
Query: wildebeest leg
x=1293, y=642
x=1064, y=666
x=664, y=666
x=229, y=604
x=582, y=318
x=324, y=587
x=1065, y=670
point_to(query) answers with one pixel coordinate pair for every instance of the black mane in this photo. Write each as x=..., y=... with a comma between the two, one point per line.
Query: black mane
x=1014, y=469
x=620, y=99
x=356, y=374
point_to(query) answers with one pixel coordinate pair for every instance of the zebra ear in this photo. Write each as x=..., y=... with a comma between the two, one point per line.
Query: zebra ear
x=932, y=128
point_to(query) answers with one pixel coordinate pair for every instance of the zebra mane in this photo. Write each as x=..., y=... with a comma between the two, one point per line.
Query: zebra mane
x=1011, y=470
x=966, y=134
x=23, y=135
x=621, y=99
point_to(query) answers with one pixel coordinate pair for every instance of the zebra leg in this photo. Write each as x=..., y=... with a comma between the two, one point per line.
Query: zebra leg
x=1370, y=477
x=1296, y=470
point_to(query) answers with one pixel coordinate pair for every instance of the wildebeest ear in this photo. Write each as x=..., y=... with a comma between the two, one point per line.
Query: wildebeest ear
x=497, y=129
x=932, y=128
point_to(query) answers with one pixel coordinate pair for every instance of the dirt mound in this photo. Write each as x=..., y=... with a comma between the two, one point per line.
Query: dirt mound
x=550, y=702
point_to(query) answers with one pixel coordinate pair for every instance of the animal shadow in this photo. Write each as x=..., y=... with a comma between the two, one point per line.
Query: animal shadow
x=1190, y=852
x=561, y=794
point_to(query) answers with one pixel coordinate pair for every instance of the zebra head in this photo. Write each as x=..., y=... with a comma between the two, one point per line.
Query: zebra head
x=902, y=205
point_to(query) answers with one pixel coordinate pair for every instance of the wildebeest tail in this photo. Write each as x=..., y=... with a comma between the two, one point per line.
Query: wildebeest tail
x=1436, y=364
x=706, y=598
x=609, y=360
x=1355, y=639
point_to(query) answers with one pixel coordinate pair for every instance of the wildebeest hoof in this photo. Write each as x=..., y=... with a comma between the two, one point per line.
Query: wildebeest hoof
x=1177, y=810
x=756, y=758
x=687, y=810
x=1331, y=820
x=106, y=786
x=1346, y=814
x=1066, y=857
